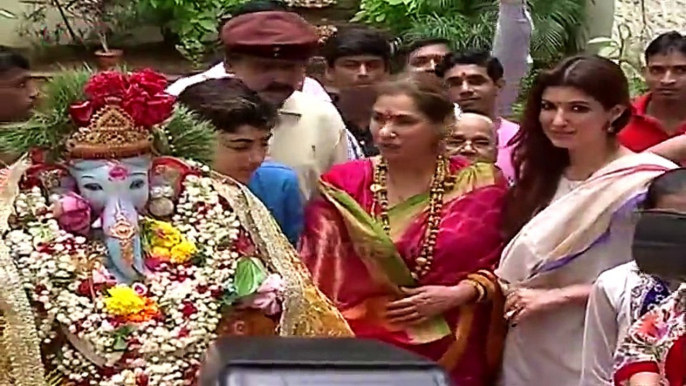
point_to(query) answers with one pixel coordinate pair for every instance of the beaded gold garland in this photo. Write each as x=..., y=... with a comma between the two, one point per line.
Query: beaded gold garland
x=439, y=184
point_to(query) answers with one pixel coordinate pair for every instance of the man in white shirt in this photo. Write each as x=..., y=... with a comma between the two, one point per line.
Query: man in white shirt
x=268, y=50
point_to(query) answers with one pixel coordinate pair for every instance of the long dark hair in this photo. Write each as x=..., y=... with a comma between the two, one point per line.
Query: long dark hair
x=538, y=163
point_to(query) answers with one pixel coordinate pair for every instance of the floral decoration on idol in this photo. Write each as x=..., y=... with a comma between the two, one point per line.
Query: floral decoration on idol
x=199, y=263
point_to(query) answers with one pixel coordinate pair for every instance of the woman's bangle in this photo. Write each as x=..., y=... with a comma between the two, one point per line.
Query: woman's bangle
x=481, y=292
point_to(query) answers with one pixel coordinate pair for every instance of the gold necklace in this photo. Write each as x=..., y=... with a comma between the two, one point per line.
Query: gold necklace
x=439, y=184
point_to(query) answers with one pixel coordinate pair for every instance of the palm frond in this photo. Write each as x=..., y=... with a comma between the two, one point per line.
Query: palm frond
x=186, y=136
x=463, y=32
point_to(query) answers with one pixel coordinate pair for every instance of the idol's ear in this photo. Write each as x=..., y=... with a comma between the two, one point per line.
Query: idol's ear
x=170, y=171
x=50, y=178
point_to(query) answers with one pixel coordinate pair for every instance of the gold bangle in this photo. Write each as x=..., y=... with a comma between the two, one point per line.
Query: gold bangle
x=479, y=289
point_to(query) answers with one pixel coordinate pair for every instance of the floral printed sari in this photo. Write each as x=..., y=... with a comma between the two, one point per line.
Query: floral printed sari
x=656, y=344
x=361, y=268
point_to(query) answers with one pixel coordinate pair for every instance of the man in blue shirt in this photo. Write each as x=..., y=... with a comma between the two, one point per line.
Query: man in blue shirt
x=244, y=123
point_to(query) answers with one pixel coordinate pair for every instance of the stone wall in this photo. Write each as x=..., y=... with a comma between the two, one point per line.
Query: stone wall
x=639, y=21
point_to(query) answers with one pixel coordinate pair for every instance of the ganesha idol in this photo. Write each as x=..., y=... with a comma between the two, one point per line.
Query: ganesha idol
x=122, y=259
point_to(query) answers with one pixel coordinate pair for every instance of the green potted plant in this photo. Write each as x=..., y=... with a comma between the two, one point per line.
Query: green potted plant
x=99, y=16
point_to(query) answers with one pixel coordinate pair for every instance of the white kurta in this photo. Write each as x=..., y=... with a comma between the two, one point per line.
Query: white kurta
x=607, y=320
x=619, y=298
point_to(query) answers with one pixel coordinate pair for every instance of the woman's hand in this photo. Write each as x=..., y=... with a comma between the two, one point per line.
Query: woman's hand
x=424, y=303
x=524, y=302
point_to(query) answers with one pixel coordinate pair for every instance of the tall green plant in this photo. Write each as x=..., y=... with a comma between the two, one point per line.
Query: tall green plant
x=194, y=22
x=470, y=24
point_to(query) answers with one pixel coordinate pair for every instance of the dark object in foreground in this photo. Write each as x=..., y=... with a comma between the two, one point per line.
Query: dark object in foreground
x=659, y=245
x=253, y=361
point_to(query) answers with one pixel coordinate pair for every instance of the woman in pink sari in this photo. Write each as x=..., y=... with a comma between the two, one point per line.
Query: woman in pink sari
x=405, y=243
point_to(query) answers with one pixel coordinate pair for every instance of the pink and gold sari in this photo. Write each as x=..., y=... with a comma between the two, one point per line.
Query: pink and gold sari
x=361, y=268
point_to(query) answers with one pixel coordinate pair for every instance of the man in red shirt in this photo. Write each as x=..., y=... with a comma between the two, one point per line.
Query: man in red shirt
x=660, y=114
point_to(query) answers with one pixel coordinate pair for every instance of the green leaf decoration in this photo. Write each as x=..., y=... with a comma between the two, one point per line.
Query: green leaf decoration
x=121, y=337
x=186, y=136
x=250, y=273
x=119, y=344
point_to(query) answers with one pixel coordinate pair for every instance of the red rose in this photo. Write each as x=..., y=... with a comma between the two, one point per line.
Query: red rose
x=149, y=80
x=106, y=87
x=159, y=108
x=135, y=103
x=81, y=113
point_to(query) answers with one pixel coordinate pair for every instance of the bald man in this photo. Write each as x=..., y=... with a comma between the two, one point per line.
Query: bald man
x=474, y=138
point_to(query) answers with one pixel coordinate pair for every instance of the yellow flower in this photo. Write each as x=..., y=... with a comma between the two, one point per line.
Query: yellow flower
x=124, y=301
x=160, y=253
x=181, y=252
x=164, y=234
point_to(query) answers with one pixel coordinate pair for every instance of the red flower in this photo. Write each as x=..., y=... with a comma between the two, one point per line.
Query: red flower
x=244, y=245
x=142, y=379
x=154, y=264
x=149, y=80
x=202, y=288
x=106, y=88
x=37, y=156
x=145, y=109
x=84, y=288
x=188, y=309
x=81, y=113
x=191, y=373
x=217, y=293
x=107, y=371
x=39, y=288
x=160, y=108
x=184, y=332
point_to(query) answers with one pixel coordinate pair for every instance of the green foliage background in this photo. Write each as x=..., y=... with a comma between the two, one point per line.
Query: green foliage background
x=471, y=23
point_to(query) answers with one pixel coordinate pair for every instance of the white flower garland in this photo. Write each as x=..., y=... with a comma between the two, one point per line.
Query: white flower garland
x=167, y=351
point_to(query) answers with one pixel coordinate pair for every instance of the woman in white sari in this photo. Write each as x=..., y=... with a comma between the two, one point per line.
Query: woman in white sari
x=569, y=215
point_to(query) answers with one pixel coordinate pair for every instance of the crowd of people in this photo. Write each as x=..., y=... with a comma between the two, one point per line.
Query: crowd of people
x=434, y=222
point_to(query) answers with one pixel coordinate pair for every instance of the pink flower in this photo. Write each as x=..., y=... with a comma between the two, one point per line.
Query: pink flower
x=140, y=289
x=267, y=296
x=118, y=173
x=73, y=213
x=102, y=276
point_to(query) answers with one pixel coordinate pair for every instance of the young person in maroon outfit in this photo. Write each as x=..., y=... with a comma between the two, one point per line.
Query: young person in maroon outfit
x=660, y=114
